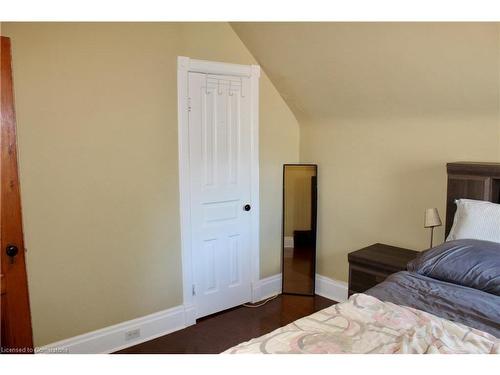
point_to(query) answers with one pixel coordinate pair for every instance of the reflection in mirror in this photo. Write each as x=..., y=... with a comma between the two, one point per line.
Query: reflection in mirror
x=299, y=228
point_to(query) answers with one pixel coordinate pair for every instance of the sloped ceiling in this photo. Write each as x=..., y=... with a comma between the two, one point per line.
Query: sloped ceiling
x=328, y=70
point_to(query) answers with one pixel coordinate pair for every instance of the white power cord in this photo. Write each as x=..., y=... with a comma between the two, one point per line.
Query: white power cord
x=261, y=303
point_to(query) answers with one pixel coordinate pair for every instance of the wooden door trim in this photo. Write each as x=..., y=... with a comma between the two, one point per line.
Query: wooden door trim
x=15, y=300
x=184, y=66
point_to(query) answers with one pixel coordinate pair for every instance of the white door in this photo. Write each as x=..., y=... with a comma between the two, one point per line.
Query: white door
x=220, y=171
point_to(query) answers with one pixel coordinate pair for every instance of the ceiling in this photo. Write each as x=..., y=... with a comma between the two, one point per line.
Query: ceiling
x=331, y=70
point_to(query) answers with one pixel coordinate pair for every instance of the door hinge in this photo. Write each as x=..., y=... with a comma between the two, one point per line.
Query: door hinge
x=194, y=290
x=189, y=104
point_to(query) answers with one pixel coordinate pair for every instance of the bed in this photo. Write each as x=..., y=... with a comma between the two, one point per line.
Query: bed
x=447, y=302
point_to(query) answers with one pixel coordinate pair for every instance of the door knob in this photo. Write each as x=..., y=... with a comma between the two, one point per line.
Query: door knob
x=11, y=251
x=247, y=207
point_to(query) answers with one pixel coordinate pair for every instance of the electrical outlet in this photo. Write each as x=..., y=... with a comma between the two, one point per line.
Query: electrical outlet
x=132, y=334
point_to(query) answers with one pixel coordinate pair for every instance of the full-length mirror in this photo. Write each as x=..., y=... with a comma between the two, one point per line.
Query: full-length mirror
x=299, y=228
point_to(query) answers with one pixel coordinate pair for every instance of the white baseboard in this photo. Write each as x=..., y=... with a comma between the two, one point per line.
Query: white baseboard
x=330, y=288
x=288, y=241
x=335, y=290
x=112, y=338
x=266, y=288
x=190, y=312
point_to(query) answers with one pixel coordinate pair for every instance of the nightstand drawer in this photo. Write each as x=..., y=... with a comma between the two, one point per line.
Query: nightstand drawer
x=371, y=265
x=363, y=278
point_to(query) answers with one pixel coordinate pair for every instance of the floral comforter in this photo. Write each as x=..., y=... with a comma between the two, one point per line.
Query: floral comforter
x=364, y=324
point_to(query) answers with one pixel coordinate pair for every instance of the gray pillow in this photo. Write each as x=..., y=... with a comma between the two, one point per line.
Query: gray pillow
x=471, y=263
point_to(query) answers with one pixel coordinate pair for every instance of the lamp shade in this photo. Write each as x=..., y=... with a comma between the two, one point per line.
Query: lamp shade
x=432, y=218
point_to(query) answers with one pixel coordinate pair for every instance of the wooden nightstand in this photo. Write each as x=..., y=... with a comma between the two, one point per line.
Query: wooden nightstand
x=371, y=265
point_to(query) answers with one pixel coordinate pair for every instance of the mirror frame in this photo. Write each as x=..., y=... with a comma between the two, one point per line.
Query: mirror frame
x=314, y=206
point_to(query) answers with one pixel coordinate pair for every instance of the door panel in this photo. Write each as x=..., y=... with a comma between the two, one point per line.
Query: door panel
x=16, y=334
x=219, y=148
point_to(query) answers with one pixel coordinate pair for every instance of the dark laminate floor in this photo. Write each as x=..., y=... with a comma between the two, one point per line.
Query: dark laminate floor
x=219, y=332
x=298, y=270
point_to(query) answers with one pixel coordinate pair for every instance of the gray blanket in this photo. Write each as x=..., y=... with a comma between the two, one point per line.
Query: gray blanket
x=472, y=307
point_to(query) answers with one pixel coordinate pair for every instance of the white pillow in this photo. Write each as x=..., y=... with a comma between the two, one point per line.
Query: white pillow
x=479, y=220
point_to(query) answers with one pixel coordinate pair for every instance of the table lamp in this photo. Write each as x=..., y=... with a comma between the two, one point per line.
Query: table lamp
x=432, y=220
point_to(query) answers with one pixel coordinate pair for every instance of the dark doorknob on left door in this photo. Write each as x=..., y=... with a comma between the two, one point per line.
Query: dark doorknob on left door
x=11, y=251
x=247, y=207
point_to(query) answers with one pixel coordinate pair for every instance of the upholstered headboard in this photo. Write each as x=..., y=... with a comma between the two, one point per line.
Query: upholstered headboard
x=471, y=180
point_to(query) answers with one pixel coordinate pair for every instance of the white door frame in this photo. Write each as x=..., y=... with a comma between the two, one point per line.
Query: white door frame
x=184, y=66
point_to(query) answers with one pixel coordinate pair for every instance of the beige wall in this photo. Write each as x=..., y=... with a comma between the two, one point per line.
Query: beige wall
x=376, y=177
x=498, y=51
x=97, y=132
x=382, y=154
x=382, y=108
